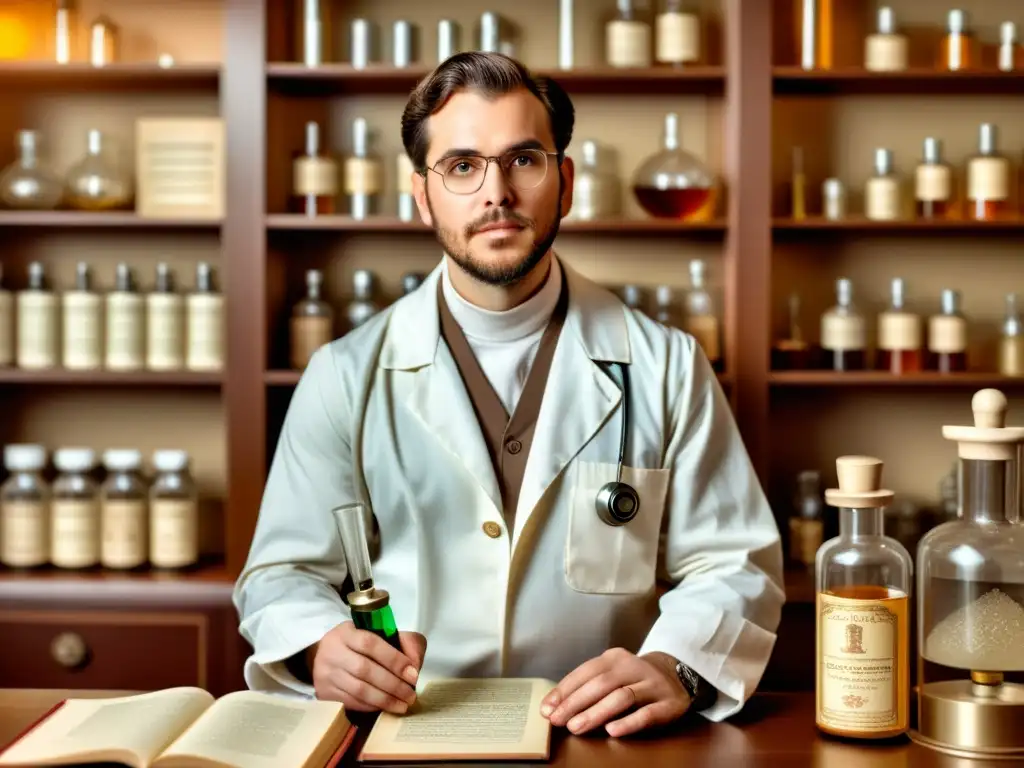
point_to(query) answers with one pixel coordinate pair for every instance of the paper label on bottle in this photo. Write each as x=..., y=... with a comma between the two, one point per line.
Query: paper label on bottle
x=933, y=183
x=628, y=44
x=882, y=199
x=899, y=331
x=24, y=533
x=405, y=173
x=165, y=332
x=1011, y=356
x=83, y=331
x=362, y=176
x=205, y=332
x=6, y=328
x=947, y=334
x=842, y=332
x=858, y=664
x=805, y=537
x=173, y=532
x=988, y=178
x=885, y=53
x=75, y=536
x=315, y=176
x=678, y=38
x=124, y=543
x=126, y=339
x=594, y=197
x=704, y=328
x=37, y=330
x=308, y=334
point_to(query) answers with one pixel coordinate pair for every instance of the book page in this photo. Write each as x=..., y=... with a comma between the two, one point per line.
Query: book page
x=481, y=718
x=129, y=729
x=261, y=730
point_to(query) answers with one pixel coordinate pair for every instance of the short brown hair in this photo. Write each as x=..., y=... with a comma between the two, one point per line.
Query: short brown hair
x=491, y=74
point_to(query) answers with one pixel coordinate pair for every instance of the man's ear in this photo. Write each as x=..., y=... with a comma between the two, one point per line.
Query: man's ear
x=419, y=193
x=568, y=173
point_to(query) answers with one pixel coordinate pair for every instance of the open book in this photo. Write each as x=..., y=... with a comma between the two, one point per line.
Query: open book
x=466, y=719
x=179, y=727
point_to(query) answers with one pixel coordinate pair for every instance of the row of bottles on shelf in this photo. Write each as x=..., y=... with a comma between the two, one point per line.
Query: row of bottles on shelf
x=985, y=193
x=98, y=43
x=632, y=38
x=122, y=330
x=671, y=183
x=887, y=50
x=901, y=343
x=108, y=513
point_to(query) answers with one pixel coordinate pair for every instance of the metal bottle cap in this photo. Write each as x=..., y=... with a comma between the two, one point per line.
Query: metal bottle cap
x=987, y=138
x=663, y=296
x=956, y=21
x=883, y=162
x=123, y=277
x=362, y=283
x=163, y=278
x=36, y=276
x=314, y=279
x=625, y=9
x=402, y=43
x=1007, y=33
x=360, y=137
x=950, y=301
x=82, y=277
x=360, y=43
x=932, y=150
x=490, y=34
x=697, y=271
x=844, y=292
x=204, y=278
x=886, y=21
x=589, y=152
x=672, y=131
x=447, y=39
x=898, y=292
x=312, y=138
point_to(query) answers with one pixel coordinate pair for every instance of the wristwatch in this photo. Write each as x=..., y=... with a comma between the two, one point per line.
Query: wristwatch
x=702, y=695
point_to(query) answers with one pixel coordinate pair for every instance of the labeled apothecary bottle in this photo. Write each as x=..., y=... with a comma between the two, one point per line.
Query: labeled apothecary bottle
x=807, y=522
x=314, y=177
x=882, y=190
x=863, y=581
x=959, y=49
x=29, y=183
x=1011, y=339
x=933, y=182
x=673, y=183
x=173, y=512
x=677, y=35
x=96, y=183
x=24, y=508
x=885, y=50
x=627, y=38
x=165, y=324
x=124, y=511
x=899, y=335
x=126, y=330
x=947, y=336
x=6, y=324
x=312, y=322
x=362, y=173
x=699, y=319
x=988, y=178
x=595, y=190
x=38, y=324
x=843, y=332
x=204, y=318
x=82, y=315
x=74, y=510
x=362, y=305
x=792, y=353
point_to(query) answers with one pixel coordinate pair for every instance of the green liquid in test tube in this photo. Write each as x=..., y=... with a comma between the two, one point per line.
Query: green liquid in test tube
x=370, y=605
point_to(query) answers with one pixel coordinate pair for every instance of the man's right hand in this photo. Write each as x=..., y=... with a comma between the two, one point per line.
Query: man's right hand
x=359, y=669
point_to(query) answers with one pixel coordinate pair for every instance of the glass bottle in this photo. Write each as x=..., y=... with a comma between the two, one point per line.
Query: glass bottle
x=792, y=353
x=126, y=329
x=362, y=173
x=204, y=316
x=124, y=511
x=959, y=49
x=66, y=43
x=970, y=607
x=74, y=510
x=843, y=334
x=699, y=318
x=6, y=324
x=312, y=322
x=798, y=187
x=24, y=508
x=406, y=201
x=632, y=297
x=95, y=183
x=833, y=196
x=885, y=50
x=37, y=324
x=806, y=523
x=933, y=187
x=863, y=580
x=411, y=281
x=362, y=306
x=988, y=178
x=29, y=183
x=627, y=38
x=1011, y=340
x=82, y=315
x=882, y=190
x=947, y=336
x=104, y=42
x=173, y=512
x=673, y=183
x=314, y=177
x=1009, y=52
x=899, y=335
x=595, y=191
x=664, y=309
x=677, y=35
x=165, y=324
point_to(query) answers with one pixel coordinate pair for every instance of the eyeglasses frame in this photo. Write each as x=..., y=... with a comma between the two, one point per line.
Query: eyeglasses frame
x=497, y=161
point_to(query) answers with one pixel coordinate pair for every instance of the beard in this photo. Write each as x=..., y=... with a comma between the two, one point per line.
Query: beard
x=497, y=274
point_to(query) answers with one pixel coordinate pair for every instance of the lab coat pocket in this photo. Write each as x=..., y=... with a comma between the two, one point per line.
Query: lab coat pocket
x=614, y=560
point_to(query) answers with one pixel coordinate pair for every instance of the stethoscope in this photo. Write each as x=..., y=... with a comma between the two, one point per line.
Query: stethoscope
x=618, y=502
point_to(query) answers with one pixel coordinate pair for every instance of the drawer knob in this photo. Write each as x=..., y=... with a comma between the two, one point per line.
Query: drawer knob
x=69, y=649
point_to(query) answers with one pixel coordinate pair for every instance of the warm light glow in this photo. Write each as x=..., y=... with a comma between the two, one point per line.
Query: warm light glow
x=14, y=37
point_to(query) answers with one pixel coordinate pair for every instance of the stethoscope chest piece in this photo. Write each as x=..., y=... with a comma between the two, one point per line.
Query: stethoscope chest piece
x=617, y=503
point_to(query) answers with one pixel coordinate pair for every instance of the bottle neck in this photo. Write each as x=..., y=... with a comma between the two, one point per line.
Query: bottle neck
x=861, y=523
x=984, y=490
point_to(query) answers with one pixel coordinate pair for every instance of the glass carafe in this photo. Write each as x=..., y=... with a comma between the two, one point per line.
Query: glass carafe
x=29, y=183
x=673, y=183
x=95, y=183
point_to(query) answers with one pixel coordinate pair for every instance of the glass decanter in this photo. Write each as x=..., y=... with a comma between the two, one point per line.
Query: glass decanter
x=29, y=183
x=673, y=183
x=95, y=183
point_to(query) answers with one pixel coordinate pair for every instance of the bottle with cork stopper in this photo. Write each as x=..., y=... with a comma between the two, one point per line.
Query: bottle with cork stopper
x=863, y=581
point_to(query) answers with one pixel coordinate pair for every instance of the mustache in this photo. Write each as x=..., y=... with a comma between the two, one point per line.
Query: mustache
x=498, y=216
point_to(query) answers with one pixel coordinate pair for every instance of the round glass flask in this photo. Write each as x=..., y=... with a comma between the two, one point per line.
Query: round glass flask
x=673, y=183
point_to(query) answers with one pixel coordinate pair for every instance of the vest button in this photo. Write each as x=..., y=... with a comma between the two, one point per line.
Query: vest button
x=492, y=529
x=513, y=447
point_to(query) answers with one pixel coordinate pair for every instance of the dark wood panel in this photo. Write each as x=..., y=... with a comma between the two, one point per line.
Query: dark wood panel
x=98, y=220
x=110, y=378
x=918, y=80
x=926, y=379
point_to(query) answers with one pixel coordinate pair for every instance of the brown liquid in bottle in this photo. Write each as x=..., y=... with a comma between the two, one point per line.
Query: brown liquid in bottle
x=900, y=360
x=959, y=52
x=934, y=209
x=844, y=359
x=314, y=205
x=987, y=210
x=672, y=203
x=948, y=362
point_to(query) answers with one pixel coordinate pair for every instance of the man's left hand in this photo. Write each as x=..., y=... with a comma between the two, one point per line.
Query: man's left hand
x=598, y=691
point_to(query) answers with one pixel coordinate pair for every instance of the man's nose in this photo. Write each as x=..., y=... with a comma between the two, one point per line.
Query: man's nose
x=496, y=189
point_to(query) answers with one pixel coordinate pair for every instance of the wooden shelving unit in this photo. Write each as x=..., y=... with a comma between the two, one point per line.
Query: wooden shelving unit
x=98, y=220
x=130, y=76
x=58, y=376
x=855, y=80
x=857, y=224
x=969, y=379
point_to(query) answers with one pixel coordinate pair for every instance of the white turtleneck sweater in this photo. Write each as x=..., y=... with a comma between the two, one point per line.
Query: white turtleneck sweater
x=505, y=343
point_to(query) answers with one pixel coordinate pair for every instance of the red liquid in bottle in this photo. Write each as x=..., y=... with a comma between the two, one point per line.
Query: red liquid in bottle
x=672, y=203
x=899, y=360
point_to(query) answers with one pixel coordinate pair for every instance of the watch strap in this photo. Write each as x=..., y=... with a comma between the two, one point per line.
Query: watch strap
x=702, y=694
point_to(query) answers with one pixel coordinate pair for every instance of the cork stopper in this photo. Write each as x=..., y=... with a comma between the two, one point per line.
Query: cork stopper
x=989, y=439
x=860, y=484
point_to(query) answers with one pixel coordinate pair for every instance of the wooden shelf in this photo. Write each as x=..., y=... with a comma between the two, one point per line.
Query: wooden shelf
x=286, y=378
x=98, y=220
x=883, y=379
x=61, y=376
x=142, y=76
x=855, y=80
x=343, y=78
x=860, y=224
x=290, y=222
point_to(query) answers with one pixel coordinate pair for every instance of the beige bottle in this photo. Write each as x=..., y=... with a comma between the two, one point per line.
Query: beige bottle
x=406, y=202
x=1011, y=341
x=627, y=38
x=6, y=324
x=699, y=319
x=204, y=310
x=173, y=512
x=362, y=174
x=165, y=324
x=124, y=511
x=24, y=508
x=882, y=191
x=933, y=182
x=885, y=50
x=988, y=179
x=677, y=35
x=83, y=324
x=74, y=510
x=37, y=324
x=312, y=323
x=126, y=329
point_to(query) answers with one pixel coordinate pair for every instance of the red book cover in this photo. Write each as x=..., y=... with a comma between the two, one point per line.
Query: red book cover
x=342, y=748
x=32, y=727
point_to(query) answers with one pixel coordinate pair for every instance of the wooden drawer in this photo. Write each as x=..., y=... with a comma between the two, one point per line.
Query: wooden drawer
x=103, y=649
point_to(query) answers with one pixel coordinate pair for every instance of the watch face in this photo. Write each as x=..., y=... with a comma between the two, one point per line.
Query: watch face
x=688, y=678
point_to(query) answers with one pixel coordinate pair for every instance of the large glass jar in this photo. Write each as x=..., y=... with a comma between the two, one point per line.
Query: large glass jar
x=595, y=189
x=29, y=183
x=96, y=183
x=673, y=183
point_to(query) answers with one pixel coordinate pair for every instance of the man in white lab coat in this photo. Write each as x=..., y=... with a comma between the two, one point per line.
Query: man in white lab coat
x=479, y=419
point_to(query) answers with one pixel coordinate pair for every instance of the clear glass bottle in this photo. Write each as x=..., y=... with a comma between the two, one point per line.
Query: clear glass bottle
x=988, y=178
x=411, y=281
x=699, y=319
x=362, y=306
x=843, y=332
x=6, y=324
x=406, y=201
x=29, y=183
x=882, y=190
x=173, y=512
x=74, y=510
x=1009, y=51
x=885, y=50
x=664, y=306
x=798, y=187
x=627, y=38
x=24, y=508
x=947, y=336
x=863, y=580
x=165, y=324
x=792, y=353
x=677, y=35
x=595, y=191
x=900, y=348
x=312, y=321
x=1011, y=340
x=314, y=177
x=807, y=521
x=833, y=199
x=959, y=49
x=124, y=511
x=204, y=316
x=970, y=588
x=125, y=324
x=96, y=183
x=104, y=42
x=673, y=183
x=633, y=297
x=362, y=174
x=66, y=38
x=37, y=324
x=933, y=182
x=82, y=315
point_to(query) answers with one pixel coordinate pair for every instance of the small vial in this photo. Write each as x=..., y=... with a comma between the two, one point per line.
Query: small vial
x=173, y=512
x=490, y=33
x=947, y=336
x=447, y=39
x=402, y=47
x=833, y=194
x=74, y=510
x=361, y=43
x=24, y=508
x=1007, y=46
x=124, y=511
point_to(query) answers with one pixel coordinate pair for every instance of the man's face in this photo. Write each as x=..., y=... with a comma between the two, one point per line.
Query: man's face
x=500, y=232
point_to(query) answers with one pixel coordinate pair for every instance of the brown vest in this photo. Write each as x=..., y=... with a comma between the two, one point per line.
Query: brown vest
x=508, y=439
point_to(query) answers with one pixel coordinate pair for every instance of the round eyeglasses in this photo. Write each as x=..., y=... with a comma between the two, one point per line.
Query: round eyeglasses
x=524, y=169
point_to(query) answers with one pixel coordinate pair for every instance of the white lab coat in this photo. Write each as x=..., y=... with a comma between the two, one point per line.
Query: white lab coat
x=381, y=416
